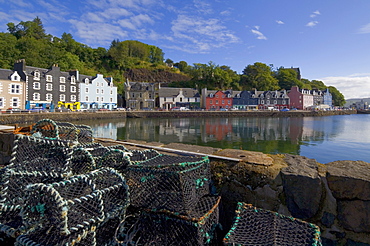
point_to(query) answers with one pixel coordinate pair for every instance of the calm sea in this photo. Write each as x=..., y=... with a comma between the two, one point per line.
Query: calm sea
x=326, y=139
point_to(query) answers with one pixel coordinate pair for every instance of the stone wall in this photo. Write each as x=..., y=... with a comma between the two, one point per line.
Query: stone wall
x=335, y=196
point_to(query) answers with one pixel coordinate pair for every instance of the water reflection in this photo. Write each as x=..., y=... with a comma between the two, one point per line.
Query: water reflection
x=269, y=135
x=314, y=137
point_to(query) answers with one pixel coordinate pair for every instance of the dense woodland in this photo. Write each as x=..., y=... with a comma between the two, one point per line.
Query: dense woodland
x=140, y=62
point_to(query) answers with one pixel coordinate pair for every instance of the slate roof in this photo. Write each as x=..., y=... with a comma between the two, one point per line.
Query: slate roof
x=5, y=74
x=174, y=92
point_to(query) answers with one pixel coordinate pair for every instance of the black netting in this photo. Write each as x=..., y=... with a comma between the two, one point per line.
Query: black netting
x=167, y=228
x=176, y=187
x=41, y=155
x=142, y=155
x=69, y=206
x=47, y=128
x=254, y=226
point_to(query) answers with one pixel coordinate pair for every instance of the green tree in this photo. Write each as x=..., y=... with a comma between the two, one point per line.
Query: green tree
x=287, y=78
x=258, y=76
x=182, y=66
x=32, y=28
x=338, y=98
x=8, y=51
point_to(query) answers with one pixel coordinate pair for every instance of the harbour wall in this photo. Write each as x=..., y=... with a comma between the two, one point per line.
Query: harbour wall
x=16, y=118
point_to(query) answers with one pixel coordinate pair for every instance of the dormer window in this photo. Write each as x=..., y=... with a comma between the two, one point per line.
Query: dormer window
x=73, y=79
x=210, y=95
x=49, y=78
x=15, y=77
x=36, y=75
x=86, y=81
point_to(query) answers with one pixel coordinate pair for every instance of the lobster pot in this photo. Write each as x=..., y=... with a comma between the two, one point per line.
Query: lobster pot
x=81, y=161
x=32, y=154
x=172, y=187
x=49, y=236
x=70, y=206
x=138, y=156
x=106, y=232
x=47, y=128
x=114, y=191
x=166, y=228
x=116, y=159
x=12, y=194
x=254, y=226
x=84, y=134
x=98, y=153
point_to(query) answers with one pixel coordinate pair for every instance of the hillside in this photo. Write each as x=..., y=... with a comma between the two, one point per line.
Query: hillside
x=159, y=75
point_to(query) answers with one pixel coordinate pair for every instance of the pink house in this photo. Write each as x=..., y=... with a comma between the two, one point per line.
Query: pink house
x=300, y=98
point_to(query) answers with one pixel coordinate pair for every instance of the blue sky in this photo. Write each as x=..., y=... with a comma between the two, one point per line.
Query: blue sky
x=327, y=39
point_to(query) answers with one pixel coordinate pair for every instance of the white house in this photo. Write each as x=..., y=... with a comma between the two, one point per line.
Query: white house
x=97, y=92
x=178, y=97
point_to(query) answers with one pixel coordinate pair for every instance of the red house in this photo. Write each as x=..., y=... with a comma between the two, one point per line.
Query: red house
x=217, y=100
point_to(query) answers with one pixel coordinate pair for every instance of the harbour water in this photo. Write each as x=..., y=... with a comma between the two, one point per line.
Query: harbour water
x=326, y=139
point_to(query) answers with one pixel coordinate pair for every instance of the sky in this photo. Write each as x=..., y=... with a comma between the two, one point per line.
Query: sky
x=328, y=40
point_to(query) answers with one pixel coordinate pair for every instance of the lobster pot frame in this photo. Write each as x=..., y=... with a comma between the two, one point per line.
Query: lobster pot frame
x=116, y=159
x=119, y=146
x=138, y=156
x=254, y=226
x=31, y=154
x=47, y=128
x=81, y=161
x=113, y=189
x=72, y=205
x=177, y=191
x=167, y=228
x=84, y=134
x=46, y=237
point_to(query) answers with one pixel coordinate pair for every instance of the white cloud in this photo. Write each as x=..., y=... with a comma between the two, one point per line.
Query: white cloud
x=97, y=34
x=312, y=23
x=364, y=29
x=314, y=14
x=353, y=86
x=280, y=22
x=201, y=35
x=258, y=33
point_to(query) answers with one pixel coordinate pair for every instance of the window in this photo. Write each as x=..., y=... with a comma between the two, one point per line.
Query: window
x=111, y=92
x=216, y=101
x=73, y=98
x=49, y=78
x=275, y=102
x=111, y=99
x=49, y=87
x=73, y=79
x=14, y=88
x=86, y=98
x=223, y=101
x=36, y=96
x=1, y=102
x=62, y=79
x=62, y=97
x=102, y=91
x=36, y=75
x=283, y=101
x=36, y=85
x=73, y=88
x=268, y=102
x=86, y=81
x=15, y=102
x=49, y=96
x=87, y=90
x=62, y=88
x=97, y=99
x=16, y=78
x=180, y=99
x=102, y=99
x=262, y=102
x=97, y=91
x=210, y=101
